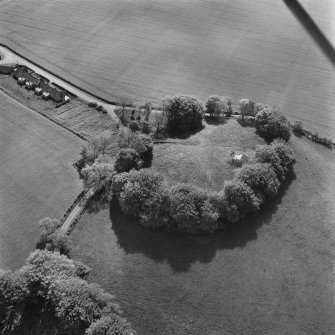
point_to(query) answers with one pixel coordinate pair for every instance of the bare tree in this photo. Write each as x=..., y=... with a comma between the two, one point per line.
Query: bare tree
x=125, y=102
x=148, y=109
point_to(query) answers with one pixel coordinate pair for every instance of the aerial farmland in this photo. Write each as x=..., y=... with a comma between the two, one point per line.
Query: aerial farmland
x=185, y=179
x=145, y=49
x=37, y=177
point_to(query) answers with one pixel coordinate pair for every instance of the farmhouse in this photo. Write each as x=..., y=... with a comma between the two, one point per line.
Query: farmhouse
x=33, y=82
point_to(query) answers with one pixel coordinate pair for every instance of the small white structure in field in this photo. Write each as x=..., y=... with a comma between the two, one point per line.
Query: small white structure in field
x=66, y=98
x=239, y=158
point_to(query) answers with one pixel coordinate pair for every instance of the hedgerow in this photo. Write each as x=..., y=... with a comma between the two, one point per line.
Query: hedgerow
x=145, y=194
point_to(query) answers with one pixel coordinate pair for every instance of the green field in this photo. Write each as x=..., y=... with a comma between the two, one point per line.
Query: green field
x=204, y=159
x=273, y=274
x=37, y=178
x=145, y=49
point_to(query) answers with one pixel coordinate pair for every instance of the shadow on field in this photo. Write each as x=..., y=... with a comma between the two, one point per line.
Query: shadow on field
x=247, y=122
x=215, y=120
x=184, y=134
x=313, y=30
x=181, y=250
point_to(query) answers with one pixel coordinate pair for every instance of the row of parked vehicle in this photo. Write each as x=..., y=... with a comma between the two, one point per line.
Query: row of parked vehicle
x=41, y=86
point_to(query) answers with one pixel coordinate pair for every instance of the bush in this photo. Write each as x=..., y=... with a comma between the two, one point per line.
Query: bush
x=271, y=125
x=126, y=160
x=285, y=154
x=261, y=178
x=240, y=200
x=297, y=127
x=184, y=113
x=133, y=126
x=92, y=104
x=145, y=127
x=99, y=108
x=216, y=105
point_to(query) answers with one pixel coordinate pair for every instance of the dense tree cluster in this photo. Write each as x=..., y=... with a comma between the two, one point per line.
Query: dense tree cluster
x=184, y=112
x=52, y=238
x=271, y=125
x=49, y=296
x=145, y=194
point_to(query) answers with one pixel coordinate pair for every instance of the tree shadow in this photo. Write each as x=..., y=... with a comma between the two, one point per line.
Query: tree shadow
x=98, y=201
x=184, y=134
x=313, y=30
x=247, y=122
x=181, y=250
x=215, y=120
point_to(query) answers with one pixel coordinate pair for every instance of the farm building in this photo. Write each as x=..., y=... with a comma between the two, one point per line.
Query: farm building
x=33, y=82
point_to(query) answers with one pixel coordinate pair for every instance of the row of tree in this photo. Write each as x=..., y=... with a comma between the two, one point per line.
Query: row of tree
x=146, y=195
x=49, y=295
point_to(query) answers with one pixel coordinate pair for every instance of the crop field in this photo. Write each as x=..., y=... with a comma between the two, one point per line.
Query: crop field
x=204, y=158
x=272, y=274
x=146, y=49
x=37, y=178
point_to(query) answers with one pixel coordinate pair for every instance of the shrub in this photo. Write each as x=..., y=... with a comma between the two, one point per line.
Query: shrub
x=145, y=127
x=184, y=112
x=271, y=125
x=298, y=128
x=92, y=104
x=216, y=105
x=99, y=108
x=133, y=126
x=261, y=178
x=138, y=118
x=126, y=160
x=240, y=200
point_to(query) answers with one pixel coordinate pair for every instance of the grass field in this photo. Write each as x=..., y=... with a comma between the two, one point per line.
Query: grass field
x=145, y=49
x=274, y=274
x=204, y=158
x=37, y=177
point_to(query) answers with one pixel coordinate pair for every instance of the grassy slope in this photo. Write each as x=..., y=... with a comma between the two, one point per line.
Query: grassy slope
x=274, y=275
x=37, y=177
x=203, y=158
x=145, y=49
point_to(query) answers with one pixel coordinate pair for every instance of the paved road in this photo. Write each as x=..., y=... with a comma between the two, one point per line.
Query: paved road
x=8, y=57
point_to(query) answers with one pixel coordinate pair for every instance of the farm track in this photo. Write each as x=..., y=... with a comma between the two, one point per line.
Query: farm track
x=37, y=177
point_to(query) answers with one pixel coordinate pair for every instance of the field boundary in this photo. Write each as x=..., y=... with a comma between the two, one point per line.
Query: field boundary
x=60, y=77
x=47, y=117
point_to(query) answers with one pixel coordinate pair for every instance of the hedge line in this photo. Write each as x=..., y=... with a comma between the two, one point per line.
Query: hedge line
x=146, y=195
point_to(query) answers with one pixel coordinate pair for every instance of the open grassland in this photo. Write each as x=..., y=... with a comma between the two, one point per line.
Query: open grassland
x=75, y=115
x=204, y=158
x=273, y=274
x=37, y=178
x=146, y=49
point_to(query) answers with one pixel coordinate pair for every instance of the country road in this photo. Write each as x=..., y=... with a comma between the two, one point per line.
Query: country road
x=8, y=57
